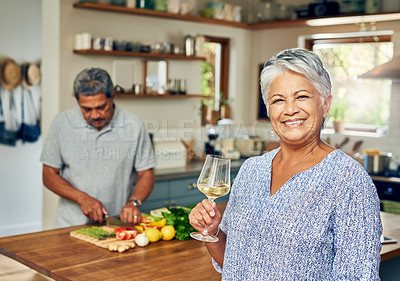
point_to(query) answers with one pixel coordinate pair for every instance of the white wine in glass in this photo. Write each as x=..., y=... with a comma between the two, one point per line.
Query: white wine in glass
x=214, y=181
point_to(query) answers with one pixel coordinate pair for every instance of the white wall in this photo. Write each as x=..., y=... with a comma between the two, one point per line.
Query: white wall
x=20, y=169
x=51, y=89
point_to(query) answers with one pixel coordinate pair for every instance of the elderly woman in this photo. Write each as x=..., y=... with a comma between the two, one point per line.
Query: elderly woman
x=304, y=211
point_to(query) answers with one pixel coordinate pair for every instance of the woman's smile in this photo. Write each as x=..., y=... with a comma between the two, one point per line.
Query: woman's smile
x=294, y=123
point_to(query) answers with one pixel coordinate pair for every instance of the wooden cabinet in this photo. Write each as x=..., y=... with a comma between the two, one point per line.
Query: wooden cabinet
x=147, y=56
x=139, y=55
x=157, y=14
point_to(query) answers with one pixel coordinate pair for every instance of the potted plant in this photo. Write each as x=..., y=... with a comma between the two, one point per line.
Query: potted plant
x=204, y=112
x=208, y=113
x=225, y=108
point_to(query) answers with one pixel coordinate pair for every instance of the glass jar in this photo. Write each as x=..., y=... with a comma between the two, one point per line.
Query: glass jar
x=265, y=10
x=372, y=6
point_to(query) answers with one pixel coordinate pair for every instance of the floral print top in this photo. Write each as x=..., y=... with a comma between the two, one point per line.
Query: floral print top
x=322, y=224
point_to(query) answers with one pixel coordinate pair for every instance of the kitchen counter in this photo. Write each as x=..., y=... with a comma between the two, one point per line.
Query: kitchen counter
x=192, y=169
x=57, y=255
x=54, y=253
x=386, y=179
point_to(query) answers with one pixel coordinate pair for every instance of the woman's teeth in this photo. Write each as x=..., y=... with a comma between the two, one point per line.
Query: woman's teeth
x=294, y=122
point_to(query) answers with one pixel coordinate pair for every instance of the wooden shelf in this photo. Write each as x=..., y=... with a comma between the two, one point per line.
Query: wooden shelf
x=135, y=54
x=326, y=21
x=157, y=14
x=157, y=96
x=387, y=16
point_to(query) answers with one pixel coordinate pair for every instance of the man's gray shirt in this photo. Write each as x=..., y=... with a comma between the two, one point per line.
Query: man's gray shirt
x=100, y=163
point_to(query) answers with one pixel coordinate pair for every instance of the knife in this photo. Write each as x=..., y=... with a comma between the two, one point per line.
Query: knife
x=114, y=222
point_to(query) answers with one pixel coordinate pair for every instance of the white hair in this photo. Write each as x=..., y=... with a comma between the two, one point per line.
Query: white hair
x=300, y=61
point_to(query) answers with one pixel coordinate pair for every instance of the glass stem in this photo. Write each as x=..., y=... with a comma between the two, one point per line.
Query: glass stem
x=205, y=232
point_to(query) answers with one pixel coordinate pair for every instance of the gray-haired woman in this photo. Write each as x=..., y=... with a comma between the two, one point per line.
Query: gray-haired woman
x=304, y=211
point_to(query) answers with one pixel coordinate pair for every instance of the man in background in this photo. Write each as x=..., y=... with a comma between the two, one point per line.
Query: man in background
x=92, y=154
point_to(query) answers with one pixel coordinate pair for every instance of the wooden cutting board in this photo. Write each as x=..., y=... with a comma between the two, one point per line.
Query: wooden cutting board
x=102, y=243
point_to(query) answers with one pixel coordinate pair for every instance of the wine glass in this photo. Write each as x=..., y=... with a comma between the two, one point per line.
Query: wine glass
x=214, y=181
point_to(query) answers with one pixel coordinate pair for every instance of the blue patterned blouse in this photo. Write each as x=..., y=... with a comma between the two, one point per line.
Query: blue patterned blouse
x=322, y=224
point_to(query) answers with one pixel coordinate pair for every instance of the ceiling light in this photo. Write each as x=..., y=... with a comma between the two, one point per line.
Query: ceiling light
x=353, y=19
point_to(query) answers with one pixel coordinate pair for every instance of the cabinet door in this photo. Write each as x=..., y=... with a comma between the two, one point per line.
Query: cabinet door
x=159, y=198
x=388, y=190
x=185, y=192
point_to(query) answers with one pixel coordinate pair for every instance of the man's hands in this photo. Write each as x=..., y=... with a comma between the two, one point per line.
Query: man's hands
x=130, y=214
x=92, y=208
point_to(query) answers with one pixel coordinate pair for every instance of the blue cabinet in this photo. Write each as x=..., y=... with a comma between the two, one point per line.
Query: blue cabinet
x=159, y=198
x=176, y=192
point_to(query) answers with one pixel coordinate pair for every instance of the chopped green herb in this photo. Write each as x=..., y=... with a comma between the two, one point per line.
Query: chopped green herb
x=96, y=232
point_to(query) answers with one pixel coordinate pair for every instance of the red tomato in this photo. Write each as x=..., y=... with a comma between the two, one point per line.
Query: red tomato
x=123, y=228
x=145, y=219
x=121, y=235
x=126, y=234
x=150, y=226
x=133, y=233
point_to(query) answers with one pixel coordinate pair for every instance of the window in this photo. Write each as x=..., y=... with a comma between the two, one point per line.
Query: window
x=214, y=84
x=361, y=104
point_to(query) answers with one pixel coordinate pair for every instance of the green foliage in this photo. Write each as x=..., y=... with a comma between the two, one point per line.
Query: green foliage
x=179, y=218
x=339, y=104
x=224, y=101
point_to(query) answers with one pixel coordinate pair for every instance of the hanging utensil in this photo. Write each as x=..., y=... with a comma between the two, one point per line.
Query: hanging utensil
x=345, y=141
x=356, y=147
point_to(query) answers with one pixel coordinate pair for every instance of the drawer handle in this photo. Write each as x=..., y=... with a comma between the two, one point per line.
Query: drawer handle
x=192, y=186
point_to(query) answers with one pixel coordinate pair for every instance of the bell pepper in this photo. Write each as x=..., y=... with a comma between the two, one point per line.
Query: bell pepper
x=160, y=223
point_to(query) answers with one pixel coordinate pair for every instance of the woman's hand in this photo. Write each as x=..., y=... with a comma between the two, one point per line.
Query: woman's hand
x=205, y=214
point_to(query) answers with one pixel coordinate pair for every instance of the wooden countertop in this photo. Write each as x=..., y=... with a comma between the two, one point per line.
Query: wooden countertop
x=57, y=255
x=386, y=179
x=391, y=228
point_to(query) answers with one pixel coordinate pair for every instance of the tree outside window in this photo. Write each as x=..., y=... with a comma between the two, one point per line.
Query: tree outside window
x=214, y=80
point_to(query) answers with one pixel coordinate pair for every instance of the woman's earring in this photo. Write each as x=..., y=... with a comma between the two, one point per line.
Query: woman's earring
x=272, y=134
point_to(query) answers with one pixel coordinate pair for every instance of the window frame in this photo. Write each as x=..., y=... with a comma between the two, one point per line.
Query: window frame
x=348, y=38
x=224, y=72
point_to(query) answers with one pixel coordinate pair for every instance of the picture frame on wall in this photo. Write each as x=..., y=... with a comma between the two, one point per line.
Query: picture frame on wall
x=262, y=110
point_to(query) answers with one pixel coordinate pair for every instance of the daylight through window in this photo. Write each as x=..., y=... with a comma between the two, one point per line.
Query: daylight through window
x=361, y=104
